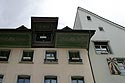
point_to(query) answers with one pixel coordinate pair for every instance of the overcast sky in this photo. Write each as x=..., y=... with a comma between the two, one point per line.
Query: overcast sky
x=14, y=13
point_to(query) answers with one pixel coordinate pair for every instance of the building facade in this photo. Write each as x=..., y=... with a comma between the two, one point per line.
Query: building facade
x=106, y=48
x=44, y=54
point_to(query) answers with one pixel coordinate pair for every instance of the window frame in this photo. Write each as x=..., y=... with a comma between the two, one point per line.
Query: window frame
x=101, y=28
x=50, y=56
x=102, y=47
x=74, y=56
x=30, y=55
x=24, y=77
x=121, y=63
x=5, y=56
x=1, y=78
x=89, y=18
x=50, y=78
x=77, y=78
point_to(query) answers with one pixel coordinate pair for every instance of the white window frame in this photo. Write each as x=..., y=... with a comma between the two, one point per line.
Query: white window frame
x=103, y=48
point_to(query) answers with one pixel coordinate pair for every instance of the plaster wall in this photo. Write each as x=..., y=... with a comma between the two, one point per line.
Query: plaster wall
x=112, y=33
x=38, y=69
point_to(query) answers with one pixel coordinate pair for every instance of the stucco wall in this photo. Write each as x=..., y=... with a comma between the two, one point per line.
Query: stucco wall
x=63, y=70
x=112, y=33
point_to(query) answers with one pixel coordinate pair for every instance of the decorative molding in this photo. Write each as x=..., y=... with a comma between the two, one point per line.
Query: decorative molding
x=113, y=66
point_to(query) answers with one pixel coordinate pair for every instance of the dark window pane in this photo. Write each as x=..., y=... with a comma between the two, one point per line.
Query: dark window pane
x=1, y=78
x=74, y=54
x=4, y=55
x=101, y=29
x=88, y=18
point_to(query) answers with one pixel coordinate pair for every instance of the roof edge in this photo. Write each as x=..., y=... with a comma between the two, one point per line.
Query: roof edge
x=104, y=19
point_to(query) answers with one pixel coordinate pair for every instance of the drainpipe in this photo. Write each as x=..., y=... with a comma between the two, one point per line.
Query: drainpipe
x=90, y=59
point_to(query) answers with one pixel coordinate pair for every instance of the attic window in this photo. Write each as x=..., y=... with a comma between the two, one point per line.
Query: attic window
x=89, y=18
x=101, y=29
x=43, y=37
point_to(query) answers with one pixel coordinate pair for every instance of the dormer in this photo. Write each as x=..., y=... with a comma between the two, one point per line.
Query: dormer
x=43, y=31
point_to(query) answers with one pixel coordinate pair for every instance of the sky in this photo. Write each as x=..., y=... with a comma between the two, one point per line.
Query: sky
x=14, y=13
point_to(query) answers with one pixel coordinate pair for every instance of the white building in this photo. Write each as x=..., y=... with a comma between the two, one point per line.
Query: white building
x=106, y=49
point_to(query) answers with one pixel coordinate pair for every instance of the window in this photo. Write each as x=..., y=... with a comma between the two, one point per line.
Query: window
x=50, y=56
x=74, y=56
x=89, y=18
x=1, y=78
x=50, y=79
x=23, y=79
x=121, y=65
x=101, y=29
x=44, y=37
x=4, y=55
x=77, y=79
x=102, y=48
x=27, y=55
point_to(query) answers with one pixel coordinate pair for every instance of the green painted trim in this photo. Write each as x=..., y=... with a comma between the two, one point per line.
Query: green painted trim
x=71, y=40
x=15, y=39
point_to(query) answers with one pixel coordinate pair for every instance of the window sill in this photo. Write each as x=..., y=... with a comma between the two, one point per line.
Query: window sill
x=3, y=61
x=75, y=62
x=48, y=62
x=122, y=74
x=55, y=61
x=104, y=54
x=26, y=62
